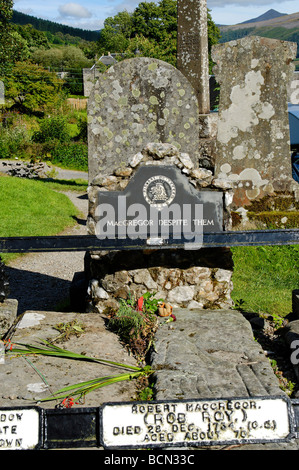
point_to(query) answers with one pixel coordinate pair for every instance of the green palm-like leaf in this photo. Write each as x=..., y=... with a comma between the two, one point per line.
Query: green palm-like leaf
x=82, y=388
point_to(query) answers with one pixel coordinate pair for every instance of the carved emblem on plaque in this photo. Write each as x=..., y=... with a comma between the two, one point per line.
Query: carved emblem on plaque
x=159, y=191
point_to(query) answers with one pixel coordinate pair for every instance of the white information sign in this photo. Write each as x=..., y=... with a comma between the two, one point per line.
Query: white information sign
x=19, y=429
x=195, y=422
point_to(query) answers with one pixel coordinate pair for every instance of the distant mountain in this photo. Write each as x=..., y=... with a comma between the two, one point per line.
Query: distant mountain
x=52, y=27
x=271, y=24
x=282, y=21
x=269, y=15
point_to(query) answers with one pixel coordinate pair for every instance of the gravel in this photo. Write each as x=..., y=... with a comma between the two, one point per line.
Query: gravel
x=40, y=281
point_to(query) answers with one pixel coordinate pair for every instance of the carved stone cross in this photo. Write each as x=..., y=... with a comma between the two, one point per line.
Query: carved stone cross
x=192, y=48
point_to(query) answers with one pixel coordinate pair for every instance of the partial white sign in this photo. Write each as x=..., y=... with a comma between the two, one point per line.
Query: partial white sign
x=19, y=429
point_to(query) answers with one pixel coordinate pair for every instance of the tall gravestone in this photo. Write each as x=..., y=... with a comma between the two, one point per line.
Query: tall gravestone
x=192, y=48
x=145, y=120
x=138, y=101
x=293, y=91
x=253, y=141
x=144, y=112
x=193, y=62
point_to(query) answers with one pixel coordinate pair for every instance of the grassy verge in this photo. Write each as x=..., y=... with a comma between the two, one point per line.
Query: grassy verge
x=264, y=278
x=31, y=208
x=78, y=185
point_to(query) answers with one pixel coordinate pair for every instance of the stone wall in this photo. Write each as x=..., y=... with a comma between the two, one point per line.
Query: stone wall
x=186, y=278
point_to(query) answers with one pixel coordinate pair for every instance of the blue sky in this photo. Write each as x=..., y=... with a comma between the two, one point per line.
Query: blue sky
x=90, y=14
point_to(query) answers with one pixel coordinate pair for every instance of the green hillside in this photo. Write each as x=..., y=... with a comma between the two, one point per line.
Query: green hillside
x=52, y=27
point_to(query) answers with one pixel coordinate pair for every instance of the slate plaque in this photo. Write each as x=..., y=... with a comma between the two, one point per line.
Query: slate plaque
x=196, y=422
x=159, y=203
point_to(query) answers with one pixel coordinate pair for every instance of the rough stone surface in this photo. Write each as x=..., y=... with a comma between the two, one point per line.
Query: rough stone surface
x=8, y=314
x=291, y=336
x=181, y=277
x=21, y=385
x=210, y=354
x=138, y=101
x=4, y=282
x=202, y=355
x=253, y=143
x=293, y=89
x=193, y=51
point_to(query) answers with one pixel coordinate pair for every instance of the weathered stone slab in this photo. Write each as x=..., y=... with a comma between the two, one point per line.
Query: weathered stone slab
x=159, y=202
x=210, y=354
x=293, y=89
x=193, y=51
x=8, y=314
x=138, y=101
x=22, y=385
x=253, y=141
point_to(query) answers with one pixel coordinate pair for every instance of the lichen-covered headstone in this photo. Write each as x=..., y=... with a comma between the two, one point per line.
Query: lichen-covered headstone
x=193, y=51
x=253, y=141
x=138, y=101
x=293, y=90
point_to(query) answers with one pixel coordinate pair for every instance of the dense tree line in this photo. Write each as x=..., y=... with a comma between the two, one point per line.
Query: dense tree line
x=30, y=58
x=52, y=27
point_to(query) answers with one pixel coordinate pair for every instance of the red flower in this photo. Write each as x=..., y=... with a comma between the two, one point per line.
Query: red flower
x=8, y=344
x=68, y=402
x=140, y=304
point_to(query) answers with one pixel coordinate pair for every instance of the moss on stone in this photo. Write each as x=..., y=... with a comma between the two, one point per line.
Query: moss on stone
x=276, y=219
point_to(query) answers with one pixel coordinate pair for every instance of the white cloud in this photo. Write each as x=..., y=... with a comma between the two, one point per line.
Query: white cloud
x=74, y=10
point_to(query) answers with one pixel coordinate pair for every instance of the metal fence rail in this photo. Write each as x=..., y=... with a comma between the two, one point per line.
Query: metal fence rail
x=92, y=243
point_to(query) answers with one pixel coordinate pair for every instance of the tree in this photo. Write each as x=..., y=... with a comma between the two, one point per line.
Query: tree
x=155, y=21
x=151, y=28
x=12, y=46
x=35, y=39
x=32, y=88
x=6, y=11
x=5, y=46
x=115, y=37
x=62, y=58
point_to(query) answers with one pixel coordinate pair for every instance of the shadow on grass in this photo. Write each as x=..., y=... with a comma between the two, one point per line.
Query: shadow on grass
x=36, y=291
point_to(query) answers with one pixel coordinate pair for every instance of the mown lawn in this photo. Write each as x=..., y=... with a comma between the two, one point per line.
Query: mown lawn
x=264, y=278
x=31, y=208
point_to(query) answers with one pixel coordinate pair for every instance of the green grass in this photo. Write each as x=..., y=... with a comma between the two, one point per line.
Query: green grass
x=78, y=185
x=31, y=208
x=264, y=278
